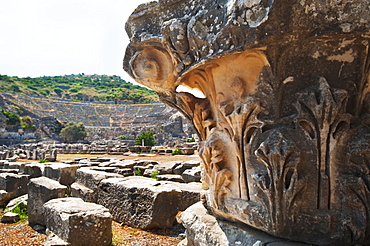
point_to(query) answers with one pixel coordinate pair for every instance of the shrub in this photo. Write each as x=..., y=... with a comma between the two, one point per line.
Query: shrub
x=154, y=174
x=21, y=210
x=176, y=151
x=138, y=172
x=43, y=161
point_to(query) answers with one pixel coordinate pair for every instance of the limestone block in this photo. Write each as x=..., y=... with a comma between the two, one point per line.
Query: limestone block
x=15, y=165
x=10, y=217
x=5, y=197
x=63, y=173
x=78, y=222
x=81, y=191
x=203, y=229
x=15, y=171
x=125, y=164
x=41, y=190
x=91, y=178
x=108, y=169
x=124, y=172
x=192, y=175
x=167, y=167
x=34, y=170
x=184, y=166
x=15, y=184
x=140, y=202
x=170, y=177
x=190, y=193
x=14, y=202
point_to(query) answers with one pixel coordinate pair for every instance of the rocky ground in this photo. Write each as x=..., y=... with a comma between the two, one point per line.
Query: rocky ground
x=23, y=235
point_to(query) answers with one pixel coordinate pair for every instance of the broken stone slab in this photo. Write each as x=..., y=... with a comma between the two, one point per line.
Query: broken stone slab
x=204, y=229
x=125, y=164
x=146, y=203
x=41, y=190
x=170, y=177
x=167, y=167
x=10, y=217
x=190, y=193
x=12, y=185
x=15, y=165
x=54, y=240
x=78, y=222
x=108, y=169
x=63, y=173
x=140, y=202
x=15, y=171
x=184, y=166
x=18, y=200
x=35, y=170
x=91, y=178
x=81, y=191
x=124, y=172
x=192, y=175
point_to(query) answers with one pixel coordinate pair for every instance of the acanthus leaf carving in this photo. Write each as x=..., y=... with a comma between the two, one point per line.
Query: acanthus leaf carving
x=279, y=182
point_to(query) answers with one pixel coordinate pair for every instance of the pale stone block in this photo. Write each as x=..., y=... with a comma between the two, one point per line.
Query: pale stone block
x=78, y=222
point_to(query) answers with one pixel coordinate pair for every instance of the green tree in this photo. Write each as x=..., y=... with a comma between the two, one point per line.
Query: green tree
x=148, y=138
x=73, y=132
x=27, y=123
x=12, y=119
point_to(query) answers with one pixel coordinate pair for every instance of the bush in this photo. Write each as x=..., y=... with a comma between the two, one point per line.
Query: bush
x=21, y=210
x=138, y=172
x=147, y=137
x=73, y=132
x=43, y=161
x=154, y=174
x=190, y=140
x=176, y=151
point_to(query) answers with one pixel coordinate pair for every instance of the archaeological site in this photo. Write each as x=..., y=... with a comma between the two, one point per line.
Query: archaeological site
x=261, y=138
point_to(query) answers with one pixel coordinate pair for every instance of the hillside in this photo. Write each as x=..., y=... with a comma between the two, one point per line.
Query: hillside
x=91, y=113
x=81, y=87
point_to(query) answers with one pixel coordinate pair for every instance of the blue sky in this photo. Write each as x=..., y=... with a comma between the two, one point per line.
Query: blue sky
x=57, y=37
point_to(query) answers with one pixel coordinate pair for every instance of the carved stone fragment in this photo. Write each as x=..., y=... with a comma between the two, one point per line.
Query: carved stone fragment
x=282, y=109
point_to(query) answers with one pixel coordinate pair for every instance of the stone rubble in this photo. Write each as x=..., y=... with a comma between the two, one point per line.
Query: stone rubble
x=154, y=203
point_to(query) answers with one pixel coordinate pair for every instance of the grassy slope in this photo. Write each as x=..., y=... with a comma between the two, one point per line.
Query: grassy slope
x=93, y=88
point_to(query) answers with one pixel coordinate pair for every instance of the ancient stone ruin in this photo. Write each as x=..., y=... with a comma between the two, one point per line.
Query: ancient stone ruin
x=284, y=115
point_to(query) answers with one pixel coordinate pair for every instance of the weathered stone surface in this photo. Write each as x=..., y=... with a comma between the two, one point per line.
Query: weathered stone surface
x=18, y=200
x=63, y=173
x=282, y=110
x=191, y=175
x=11, y=186
x=81, y=191
x=10, y=217
x=41, y=190
x=203, y=229
x=167, y=167
x=140, y=202
x=35, y=170
x=78, y=222
x=91, y=178
x=124, y=172
x=184, y=166
x=53, y=240
x=170, y=177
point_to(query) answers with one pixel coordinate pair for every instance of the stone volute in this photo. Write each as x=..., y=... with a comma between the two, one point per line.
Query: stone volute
x=283, y=111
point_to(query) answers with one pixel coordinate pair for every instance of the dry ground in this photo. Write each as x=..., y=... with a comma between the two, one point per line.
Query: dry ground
x=21, y=234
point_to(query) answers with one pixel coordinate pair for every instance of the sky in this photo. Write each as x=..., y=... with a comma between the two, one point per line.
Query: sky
x=58, y=37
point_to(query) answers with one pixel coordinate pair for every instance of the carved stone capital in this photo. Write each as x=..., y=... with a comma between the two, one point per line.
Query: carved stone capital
x=284, y=116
